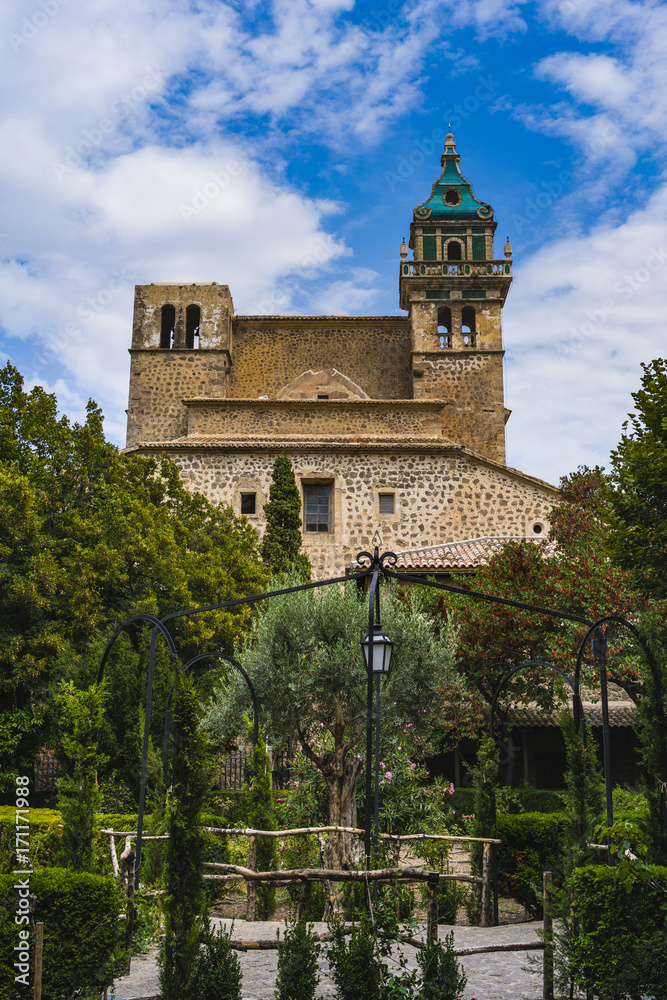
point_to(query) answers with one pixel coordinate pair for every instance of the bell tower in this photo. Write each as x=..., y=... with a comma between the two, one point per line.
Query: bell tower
x=454, y=291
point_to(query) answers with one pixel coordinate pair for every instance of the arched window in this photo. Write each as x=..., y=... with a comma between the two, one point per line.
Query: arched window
x=167, y=326
x=444, y=319
x=454, y=250
x=468, y=319
x=192, y=321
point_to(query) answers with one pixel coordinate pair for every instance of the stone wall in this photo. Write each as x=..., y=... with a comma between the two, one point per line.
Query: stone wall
x=472, y=381
x=160, y=381
x=374, y=352
x=357, y=420
x=440, y=496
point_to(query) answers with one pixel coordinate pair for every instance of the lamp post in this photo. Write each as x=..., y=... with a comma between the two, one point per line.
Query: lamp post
x=377, y=656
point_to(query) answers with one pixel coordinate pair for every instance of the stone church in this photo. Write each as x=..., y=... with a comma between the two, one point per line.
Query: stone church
x=395, y=425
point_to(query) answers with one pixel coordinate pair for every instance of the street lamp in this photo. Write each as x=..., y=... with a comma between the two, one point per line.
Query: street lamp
x=377, y=656
x=383, y=647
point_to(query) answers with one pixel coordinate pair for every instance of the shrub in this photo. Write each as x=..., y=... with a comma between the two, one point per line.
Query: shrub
x=354, y=968
x=442, y=976
x=81, y=931
x=216, y=973
x=531, y=843
x=45, y=833
x=620, y=948
x=297, y=963
x=523, y=800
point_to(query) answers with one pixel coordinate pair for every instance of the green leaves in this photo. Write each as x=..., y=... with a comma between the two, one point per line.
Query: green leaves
x=88, y=536
x=637, y=493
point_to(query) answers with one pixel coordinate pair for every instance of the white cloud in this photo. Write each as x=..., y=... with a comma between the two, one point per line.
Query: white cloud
x=585, y=311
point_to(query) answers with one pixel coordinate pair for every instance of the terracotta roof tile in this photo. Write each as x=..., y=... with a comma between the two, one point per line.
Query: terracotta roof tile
x=466, y=554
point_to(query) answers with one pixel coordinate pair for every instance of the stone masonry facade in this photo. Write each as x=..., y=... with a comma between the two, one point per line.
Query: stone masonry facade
x=395, y=425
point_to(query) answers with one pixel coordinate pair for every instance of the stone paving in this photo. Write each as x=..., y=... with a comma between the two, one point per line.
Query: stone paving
x=500, y=975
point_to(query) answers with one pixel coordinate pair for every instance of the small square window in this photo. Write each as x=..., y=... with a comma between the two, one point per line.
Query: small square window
x=248, y=503
x=317, y=509
x=386, y=503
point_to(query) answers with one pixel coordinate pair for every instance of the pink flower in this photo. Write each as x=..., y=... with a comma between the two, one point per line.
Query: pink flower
x=400, y=748
x=387, y=775
x=451, y=787
x=382, y=764
x=413, y=765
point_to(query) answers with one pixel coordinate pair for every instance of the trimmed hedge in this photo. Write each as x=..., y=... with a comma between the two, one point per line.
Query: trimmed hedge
x=620, y=949
x=512, y=800
x=45, y=836
x=81, y=932
x=532, y=843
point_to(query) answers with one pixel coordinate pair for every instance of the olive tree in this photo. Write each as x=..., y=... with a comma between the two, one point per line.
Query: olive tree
x=305, y=662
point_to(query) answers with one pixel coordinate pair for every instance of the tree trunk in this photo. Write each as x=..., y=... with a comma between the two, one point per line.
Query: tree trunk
x=341, y=774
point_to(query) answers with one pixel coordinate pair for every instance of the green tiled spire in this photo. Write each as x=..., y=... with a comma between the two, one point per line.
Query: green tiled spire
x=452, y=199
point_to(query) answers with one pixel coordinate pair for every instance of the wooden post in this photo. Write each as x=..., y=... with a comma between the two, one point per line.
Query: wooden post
x=114, y=856
x=548, y=974
x=39, y=940
x=251, y=905
x=432, y=886
x=397, y=858
x=485, y=913
x=304, y=898
x=129, y=925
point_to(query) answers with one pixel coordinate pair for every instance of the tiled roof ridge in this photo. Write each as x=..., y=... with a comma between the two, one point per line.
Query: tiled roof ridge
x=465, y=553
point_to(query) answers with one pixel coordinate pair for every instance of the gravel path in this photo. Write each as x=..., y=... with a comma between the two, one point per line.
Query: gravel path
x=498, y=975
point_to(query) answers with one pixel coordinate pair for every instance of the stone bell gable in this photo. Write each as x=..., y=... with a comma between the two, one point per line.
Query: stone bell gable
x=395, y=425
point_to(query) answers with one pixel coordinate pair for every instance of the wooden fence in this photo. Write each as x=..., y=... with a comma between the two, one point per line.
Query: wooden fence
x=305, y=877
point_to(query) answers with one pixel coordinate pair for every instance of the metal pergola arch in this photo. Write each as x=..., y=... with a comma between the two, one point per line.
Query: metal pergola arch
x=374, y=570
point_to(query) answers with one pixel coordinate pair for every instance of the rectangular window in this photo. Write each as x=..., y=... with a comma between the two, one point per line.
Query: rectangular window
x=386, y=503
x=479, y=248
x=248, y=503
x=317, y=508
x=428, y=245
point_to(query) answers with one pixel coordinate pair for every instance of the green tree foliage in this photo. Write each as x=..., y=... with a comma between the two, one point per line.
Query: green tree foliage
x=79, y=796
x=282, y=538
x=262, y=816
x=574, y=574
x=307, y=668
x=636, y=496
x=90, y=535
x=185, y=902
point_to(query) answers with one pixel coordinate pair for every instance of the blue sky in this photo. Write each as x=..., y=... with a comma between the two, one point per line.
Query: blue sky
x=280, y=148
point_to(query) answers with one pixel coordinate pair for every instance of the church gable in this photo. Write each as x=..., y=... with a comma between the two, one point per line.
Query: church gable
x=327, y=384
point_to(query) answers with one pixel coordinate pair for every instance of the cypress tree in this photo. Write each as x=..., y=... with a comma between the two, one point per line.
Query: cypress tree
x=282, y=539
x=185, y=903
x=262, y=816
